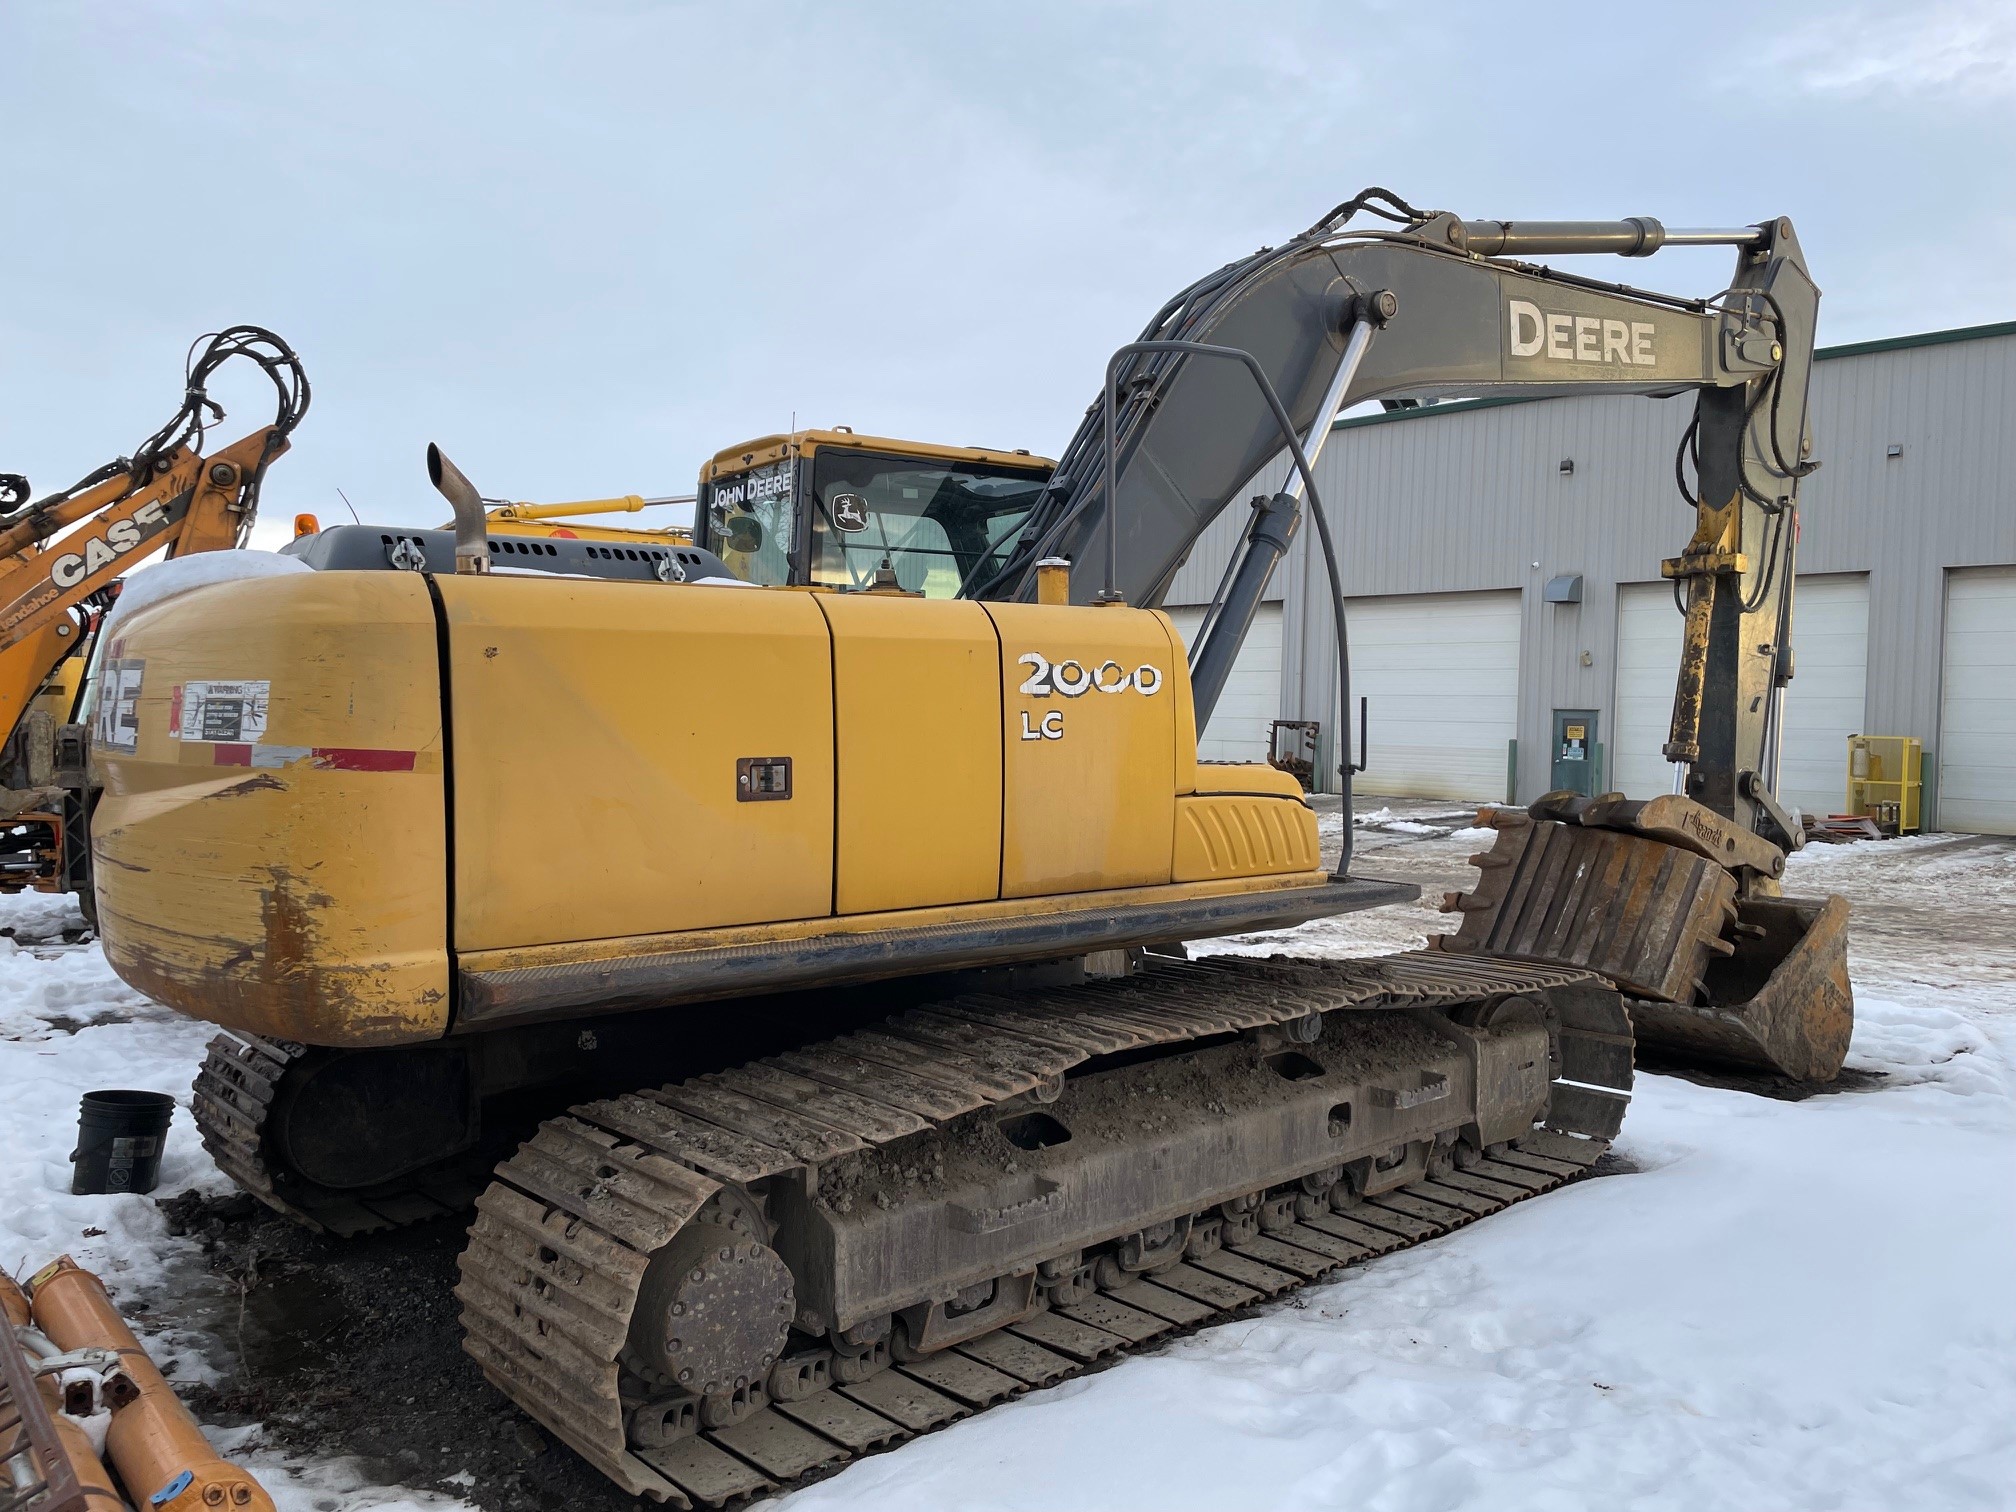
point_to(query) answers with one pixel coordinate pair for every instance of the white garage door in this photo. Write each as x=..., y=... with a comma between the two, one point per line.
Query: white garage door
x=1440, y=674
x=1823, y=706
x=1648, y=661
x=1251, y=701
x=1977, y=720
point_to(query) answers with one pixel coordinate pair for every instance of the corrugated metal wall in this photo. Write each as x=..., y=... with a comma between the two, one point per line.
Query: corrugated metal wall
x=1472, y=497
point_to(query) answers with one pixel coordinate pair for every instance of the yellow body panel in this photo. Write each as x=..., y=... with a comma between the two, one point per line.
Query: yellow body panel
x=1231, y=835
x=27, y=664
x=291, y=882
x=597, y=726
x=981, y=762
x=1245, y=777
x=1089, y=747
x=58, y=693
x=917, y=695
x=1186, y=709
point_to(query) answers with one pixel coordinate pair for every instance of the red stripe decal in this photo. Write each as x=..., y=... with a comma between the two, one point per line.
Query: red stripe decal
x=233, y=755
x=357, y=759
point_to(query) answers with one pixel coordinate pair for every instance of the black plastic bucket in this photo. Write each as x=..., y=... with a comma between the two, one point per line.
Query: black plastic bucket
x=119, y=1139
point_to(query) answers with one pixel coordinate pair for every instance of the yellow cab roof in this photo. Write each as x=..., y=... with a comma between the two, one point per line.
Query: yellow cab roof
x=772, y=448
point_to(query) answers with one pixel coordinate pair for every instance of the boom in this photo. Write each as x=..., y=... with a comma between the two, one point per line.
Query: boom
x=1440, y=306
x=59, y=554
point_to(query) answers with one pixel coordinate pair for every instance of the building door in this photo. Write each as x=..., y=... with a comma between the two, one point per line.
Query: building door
x=1577, y=762
x=1823, y=705
x=1977, y=719
x=1439, y=673
x=1251, y=700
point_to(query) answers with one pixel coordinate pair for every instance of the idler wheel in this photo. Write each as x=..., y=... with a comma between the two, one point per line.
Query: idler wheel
x=714, y=1309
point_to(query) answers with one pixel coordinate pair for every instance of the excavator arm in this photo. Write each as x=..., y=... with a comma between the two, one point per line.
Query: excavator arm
x=1443, y=307
x=1676, y=898
x=60, y=553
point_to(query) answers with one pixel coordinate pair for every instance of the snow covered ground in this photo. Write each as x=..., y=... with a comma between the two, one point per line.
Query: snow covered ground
x=1787, y=1305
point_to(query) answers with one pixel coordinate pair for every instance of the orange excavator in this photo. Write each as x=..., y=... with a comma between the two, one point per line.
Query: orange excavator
x=60, y=558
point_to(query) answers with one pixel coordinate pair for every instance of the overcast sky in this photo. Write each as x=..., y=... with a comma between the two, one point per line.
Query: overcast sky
x=585, y=246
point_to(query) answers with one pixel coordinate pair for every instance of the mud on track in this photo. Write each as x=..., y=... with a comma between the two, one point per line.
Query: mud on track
x=354, y=1347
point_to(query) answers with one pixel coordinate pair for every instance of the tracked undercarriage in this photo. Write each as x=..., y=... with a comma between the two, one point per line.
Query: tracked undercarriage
x=711, y=1288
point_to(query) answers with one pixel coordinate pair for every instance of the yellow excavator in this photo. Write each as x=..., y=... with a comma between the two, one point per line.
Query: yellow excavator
x=821, y=886
x=55, y=588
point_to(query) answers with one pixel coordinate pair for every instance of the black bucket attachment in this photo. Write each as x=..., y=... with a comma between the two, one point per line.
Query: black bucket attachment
x=1646, y=894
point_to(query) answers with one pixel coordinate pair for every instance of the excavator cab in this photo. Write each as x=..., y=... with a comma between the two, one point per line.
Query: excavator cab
x=831, y=509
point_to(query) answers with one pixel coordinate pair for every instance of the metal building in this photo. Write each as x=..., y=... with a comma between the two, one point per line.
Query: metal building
x=1508, y=619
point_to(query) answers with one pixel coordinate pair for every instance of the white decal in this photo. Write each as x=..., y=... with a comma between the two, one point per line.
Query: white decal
x=1070, y=678
x=850, y=512
x=117, y=727
x=753, y=487
x=1050, y=727
x=1562, y=336
x=71, y=568
x=230, y=713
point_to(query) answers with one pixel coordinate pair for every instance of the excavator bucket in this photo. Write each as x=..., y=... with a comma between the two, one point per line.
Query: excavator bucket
x=1647, y=894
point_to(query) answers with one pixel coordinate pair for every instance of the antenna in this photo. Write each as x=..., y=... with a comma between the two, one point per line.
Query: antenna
x=348, y=505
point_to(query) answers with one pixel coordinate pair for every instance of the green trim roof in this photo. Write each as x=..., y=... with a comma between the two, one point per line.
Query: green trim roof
x=1820, y=354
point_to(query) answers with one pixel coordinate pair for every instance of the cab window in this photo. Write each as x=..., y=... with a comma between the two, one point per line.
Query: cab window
x=939, y=525
x=750, y=522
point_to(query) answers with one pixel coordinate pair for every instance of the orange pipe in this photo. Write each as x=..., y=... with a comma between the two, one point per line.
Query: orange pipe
x=92, y=1476
x=153, y=1440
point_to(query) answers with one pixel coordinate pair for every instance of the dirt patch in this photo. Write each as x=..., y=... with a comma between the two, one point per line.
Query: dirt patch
x=353, y=1347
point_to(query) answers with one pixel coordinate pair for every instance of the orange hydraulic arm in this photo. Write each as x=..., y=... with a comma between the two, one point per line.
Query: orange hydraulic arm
x=168, y=496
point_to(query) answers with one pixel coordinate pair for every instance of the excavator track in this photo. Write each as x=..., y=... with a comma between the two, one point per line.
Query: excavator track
x=233, y=1101
x=564, y=1241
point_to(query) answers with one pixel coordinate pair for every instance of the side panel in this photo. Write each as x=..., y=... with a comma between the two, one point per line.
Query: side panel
x=1230, y=835
x=1187, y=769
x=597, y=730
x=269, y=850
x=1089, y=703
x=917, y=698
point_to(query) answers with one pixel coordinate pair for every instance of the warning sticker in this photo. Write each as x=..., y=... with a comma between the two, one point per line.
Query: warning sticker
x=227, y=712
x=117, y=727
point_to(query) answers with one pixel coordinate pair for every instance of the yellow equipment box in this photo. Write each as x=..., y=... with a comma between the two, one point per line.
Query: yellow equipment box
x=1886, y=780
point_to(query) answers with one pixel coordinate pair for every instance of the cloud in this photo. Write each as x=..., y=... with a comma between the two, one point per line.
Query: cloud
x=1965, y=49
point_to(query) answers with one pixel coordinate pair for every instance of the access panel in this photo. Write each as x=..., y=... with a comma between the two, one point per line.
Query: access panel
x=1089, y=706
x=635, y=758
x=917, y=695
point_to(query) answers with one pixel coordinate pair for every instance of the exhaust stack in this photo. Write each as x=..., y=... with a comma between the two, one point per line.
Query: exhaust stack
x=472, y=535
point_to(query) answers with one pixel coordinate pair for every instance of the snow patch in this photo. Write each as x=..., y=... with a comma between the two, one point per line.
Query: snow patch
x=150, y=585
